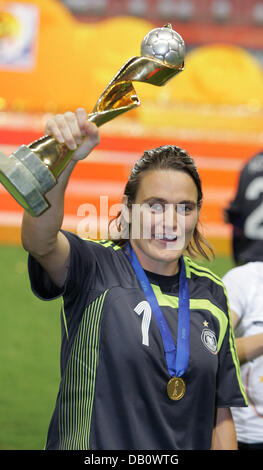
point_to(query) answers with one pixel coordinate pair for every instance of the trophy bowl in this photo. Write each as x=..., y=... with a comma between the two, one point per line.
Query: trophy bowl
x=32, y=170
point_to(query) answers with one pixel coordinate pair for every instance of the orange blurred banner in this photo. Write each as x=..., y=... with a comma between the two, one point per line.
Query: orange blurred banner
x=50, y=62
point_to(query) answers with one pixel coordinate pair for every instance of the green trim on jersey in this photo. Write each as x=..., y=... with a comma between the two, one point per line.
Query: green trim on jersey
x=64, y=316
x=105, y=243
x=186, y=264
x=234, y=351
x=166, y=300
x=79, y=380
x=201, y=271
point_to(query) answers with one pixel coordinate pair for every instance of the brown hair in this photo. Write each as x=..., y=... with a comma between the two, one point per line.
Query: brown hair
x=165, y=158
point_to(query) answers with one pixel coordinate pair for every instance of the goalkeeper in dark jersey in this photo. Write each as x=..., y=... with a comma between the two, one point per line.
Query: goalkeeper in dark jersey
x=245, y=213
x=148, y=359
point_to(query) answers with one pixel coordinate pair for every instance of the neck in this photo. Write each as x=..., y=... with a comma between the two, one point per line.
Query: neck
x=164, y=268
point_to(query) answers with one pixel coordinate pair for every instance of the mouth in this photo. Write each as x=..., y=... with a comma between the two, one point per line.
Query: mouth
x=166, y=238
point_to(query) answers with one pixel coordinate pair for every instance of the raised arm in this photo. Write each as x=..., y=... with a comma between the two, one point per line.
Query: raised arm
x=41, y=236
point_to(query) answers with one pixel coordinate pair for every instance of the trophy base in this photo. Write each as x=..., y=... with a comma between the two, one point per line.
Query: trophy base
x=26, y=178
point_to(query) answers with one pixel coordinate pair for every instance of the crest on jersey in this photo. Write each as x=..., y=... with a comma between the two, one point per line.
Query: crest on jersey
x=209, y=340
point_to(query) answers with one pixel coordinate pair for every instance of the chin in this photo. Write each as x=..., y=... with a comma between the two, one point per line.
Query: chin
x=175, y=246
x=165, y=251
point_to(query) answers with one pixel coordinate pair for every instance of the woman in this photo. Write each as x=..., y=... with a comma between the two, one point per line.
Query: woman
x=147, y=358
x=246, y=307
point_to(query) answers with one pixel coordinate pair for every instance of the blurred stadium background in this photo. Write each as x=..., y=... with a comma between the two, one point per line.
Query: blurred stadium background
x=58, y=55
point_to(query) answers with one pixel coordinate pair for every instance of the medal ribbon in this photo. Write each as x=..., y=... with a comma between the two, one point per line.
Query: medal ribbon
x=177, y=358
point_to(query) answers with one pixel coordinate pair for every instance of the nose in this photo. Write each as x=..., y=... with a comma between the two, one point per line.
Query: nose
x=170, y=219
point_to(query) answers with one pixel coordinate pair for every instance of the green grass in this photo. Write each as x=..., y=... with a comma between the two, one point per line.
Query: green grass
x=29, y=353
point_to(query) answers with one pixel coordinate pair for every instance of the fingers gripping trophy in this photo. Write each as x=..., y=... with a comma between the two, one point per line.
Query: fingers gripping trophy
x=32, y=170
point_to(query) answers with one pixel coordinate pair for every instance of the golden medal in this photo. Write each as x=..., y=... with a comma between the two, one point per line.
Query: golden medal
x=176, y=388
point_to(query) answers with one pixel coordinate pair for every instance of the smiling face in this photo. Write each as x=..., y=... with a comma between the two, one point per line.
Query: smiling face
x=167, y=205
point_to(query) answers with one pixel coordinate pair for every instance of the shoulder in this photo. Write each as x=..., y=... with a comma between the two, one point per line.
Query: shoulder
x=244, y=274
x=208, y=293
x=255, y=164
x=201, y=273
x=103, y=247
x=205, y=284
x=106, y=253
x=104, y=259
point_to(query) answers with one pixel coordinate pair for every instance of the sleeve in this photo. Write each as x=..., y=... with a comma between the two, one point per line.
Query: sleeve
x=81, y=269
x=230, y=388
x=235, y=286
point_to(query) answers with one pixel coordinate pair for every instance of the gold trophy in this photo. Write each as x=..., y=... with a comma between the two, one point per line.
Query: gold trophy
x=31, y=171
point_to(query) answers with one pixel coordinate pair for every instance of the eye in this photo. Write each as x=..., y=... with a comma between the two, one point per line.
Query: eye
x=157, y=208
x=184, y=208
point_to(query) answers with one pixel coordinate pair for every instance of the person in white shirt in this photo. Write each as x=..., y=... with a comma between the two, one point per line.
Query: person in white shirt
x=244, y=285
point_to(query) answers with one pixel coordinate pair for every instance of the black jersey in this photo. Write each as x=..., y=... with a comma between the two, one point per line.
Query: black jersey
x=245, y=213
x=114, y=375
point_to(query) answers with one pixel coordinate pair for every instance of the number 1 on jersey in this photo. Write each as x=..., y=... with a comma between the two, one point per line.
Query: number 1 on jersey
x=144, y=307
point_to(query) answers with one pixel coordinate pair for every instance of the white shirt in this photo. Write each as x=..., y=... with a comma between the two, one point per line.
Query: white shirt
x=244, y=286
